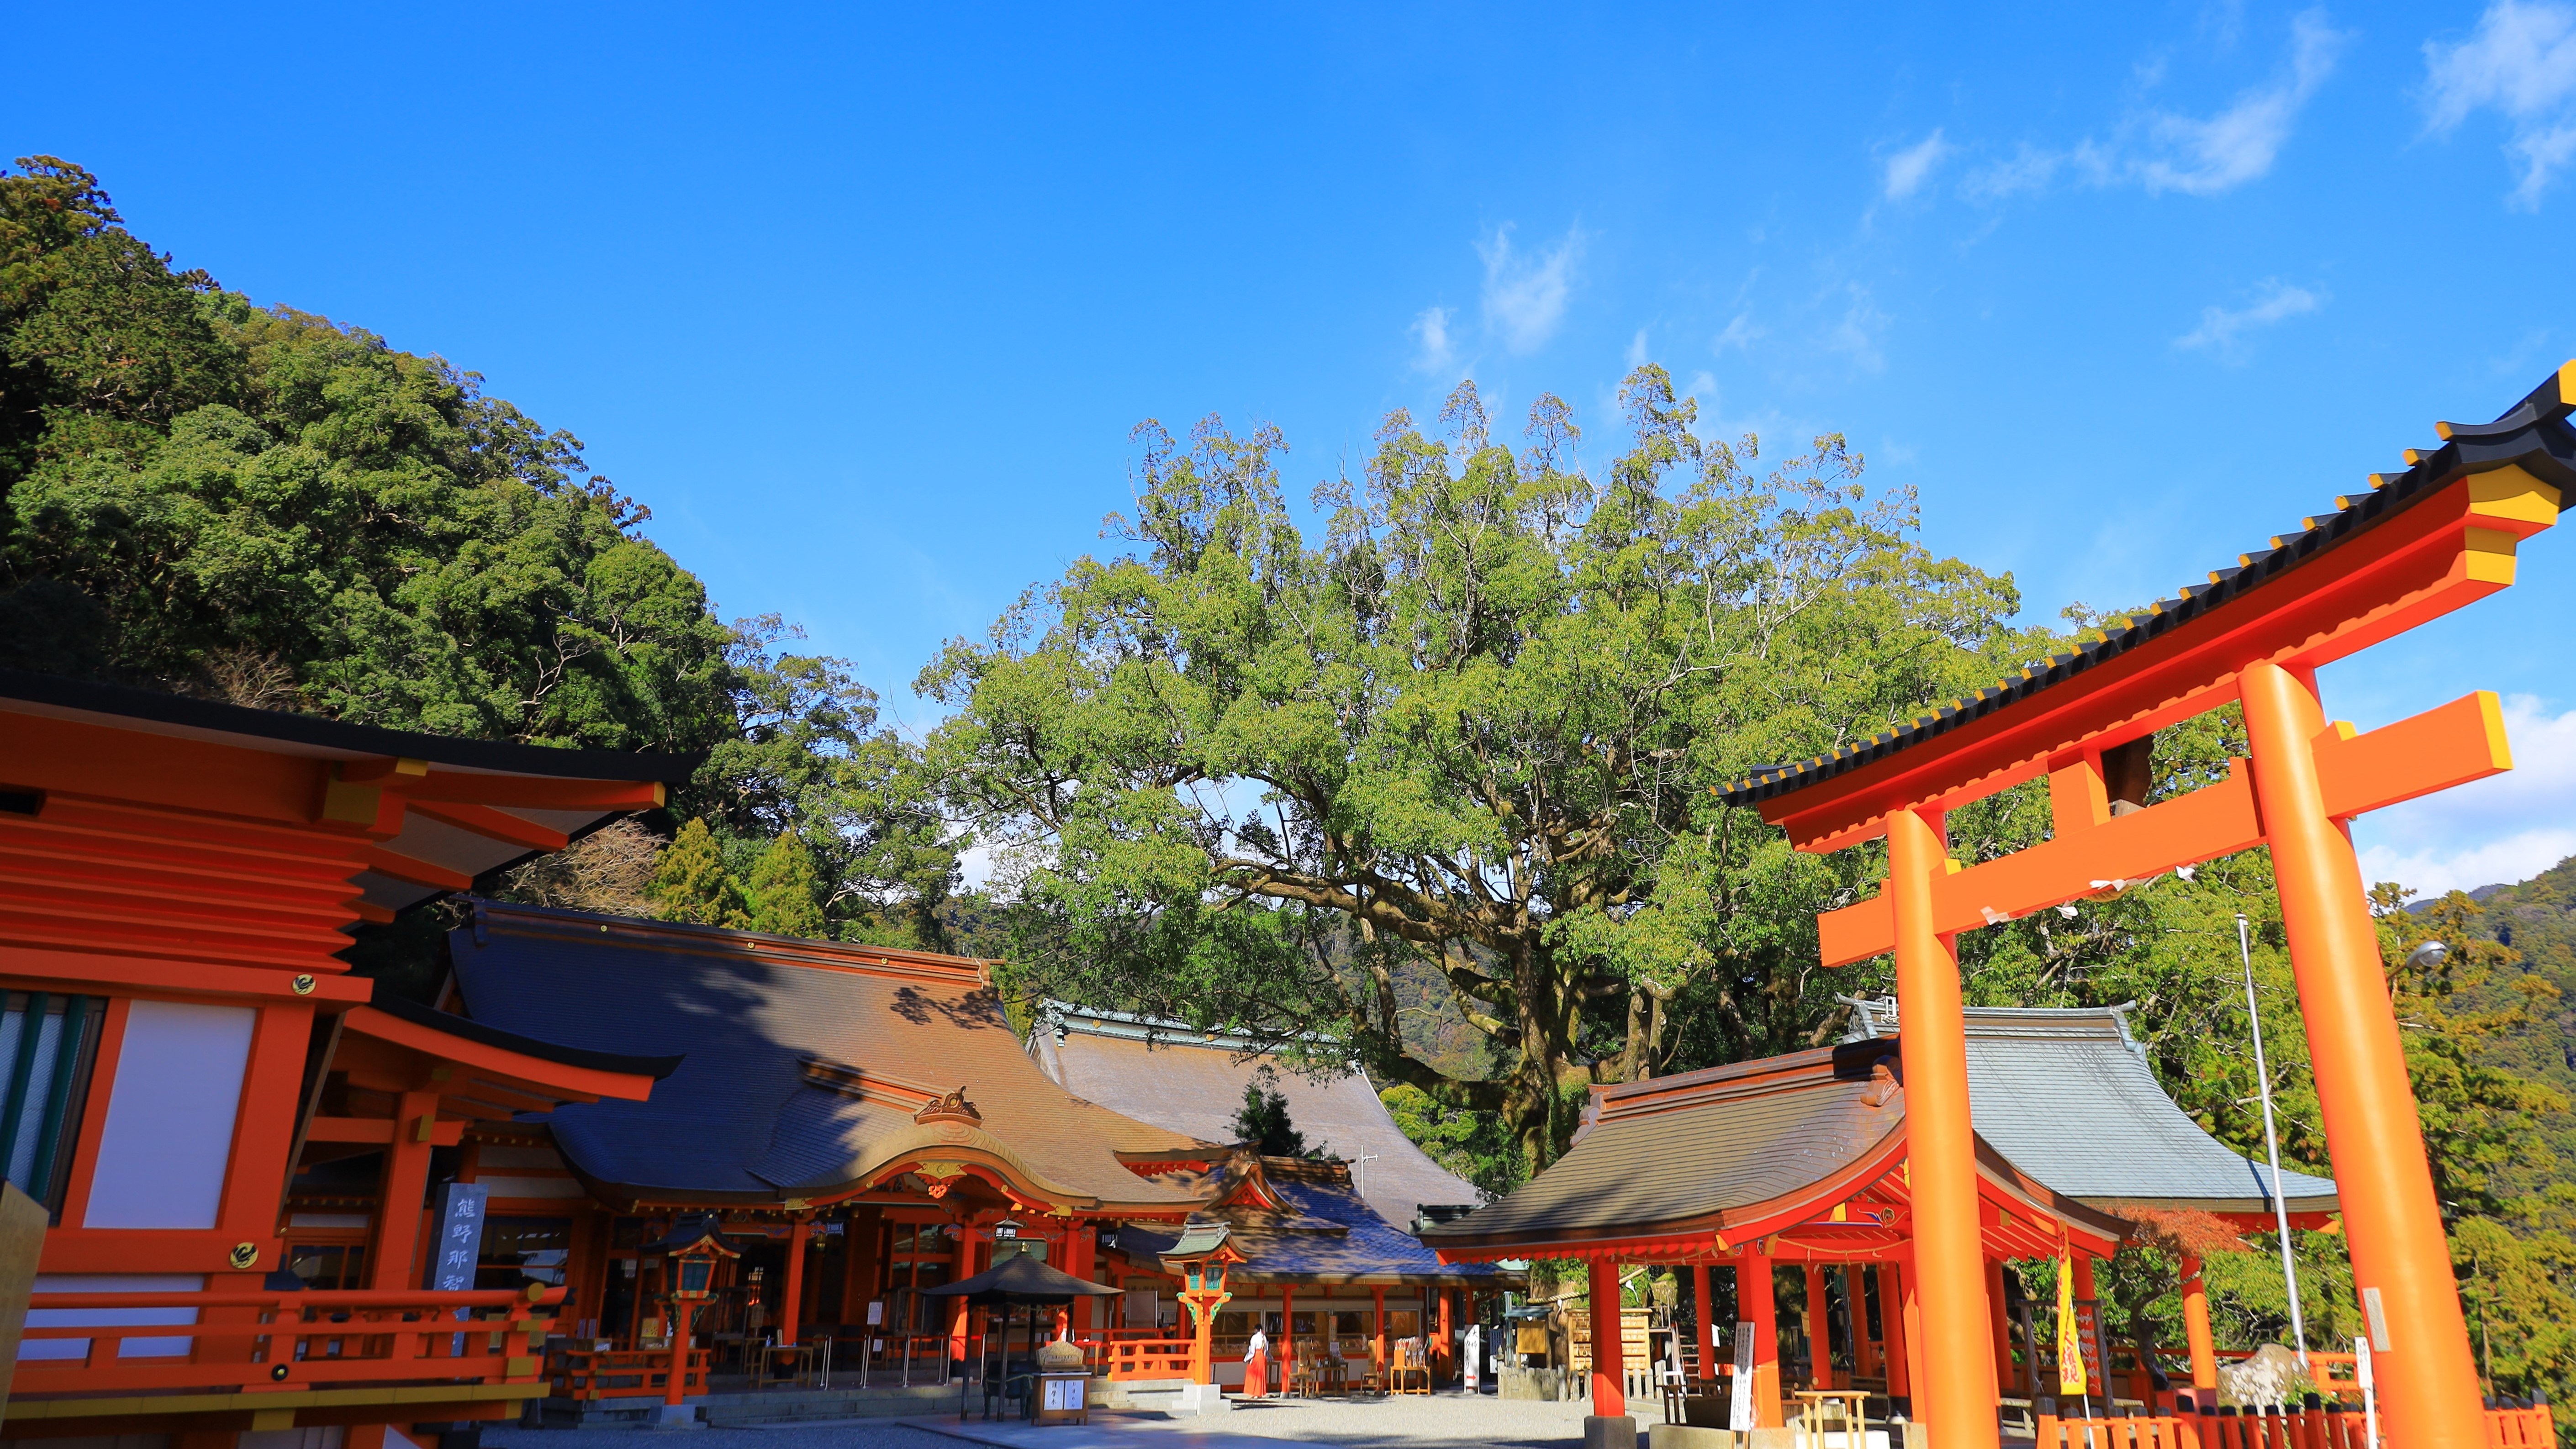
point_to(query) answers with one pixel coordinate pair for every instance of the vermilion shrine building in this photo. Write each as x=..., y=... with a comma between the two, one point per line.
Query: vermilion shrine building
x=175, y=880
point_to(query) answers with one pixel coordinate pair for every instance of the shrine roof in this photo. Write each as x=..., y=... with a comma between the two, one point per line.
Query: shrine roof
x=1193, y=1082
x=278, y=731
x=1705, y=1151
x=1348, y=1241
x=2068, y=1096
x=2533, y=435
x=809, y=1067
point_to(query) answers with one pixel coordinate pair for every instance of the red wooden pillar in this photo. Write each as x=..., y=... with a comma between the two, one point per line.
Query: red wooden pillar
x=1856, y=1278
x=406, y=1183
x=1287, y=1336
x=1445, y=1331
x=961, y=1267
x=1895, y=1300
x=1820, y=1352
x=1999, y=1321
x=791, y=1301
x=2401, y=1260
x=1082, y=1256
x=1707, y=1320
x=1377, y=1345
x=861, y=1281
x=1609, y=1382
x=2195, y=1328
x=1759, y=1309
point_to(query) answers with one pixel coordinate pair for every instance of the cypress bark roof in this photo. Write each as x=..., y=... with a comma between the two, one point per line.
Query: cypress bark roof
x=808, y=1067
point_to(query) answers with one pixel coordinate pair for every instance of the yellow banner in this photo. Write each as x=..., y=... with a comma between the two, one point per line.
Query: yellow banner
x=2070, y=1346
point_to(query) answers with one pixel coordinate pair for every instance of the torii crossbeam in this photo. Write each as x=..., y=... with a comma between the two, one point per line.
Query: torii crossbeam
x=2418, y=545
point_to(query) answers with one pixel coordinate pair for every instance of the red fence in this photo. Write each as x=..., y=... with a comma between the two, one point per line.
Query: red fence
x=2314, y=1425
x=122, y=1343
x=582, y=1373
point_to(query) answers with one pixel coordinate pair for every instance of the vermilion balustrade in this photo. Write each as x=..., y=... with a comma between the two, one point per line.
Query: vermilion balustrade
x=277, y=1341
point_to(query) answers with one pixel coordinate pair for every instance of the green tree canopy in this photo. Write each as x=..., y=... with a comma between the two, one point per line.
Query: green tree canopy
x=1247, y=777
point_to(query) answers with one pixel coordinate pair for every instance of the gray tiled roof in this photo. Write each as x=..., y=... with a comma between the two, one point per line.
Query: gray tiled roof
x=2071, y=1100
x=1193, y=1082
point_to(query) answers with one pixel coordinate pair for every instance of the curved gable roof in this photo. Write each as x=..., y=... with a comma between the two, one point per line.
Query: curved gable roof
x=761, y=1107
x=2071, y=1100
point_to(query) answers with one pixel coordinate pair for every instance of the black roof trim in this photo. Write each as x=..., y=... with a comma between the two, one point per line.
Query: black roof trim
x=2532, y=434
x=510, y=1041
x=341, y=737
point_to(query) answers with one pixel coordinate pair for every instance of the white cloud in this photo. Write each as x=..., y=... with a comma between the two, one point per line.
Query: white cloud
x=2221, y=327
x=2168, y=152
x=1637, y=350
x=2521, y=63
x=1525, y=296
x=1741, y=331
x=1908, y=169
x=1432, y=349
x=2237, y=145
x=1857, y=335
x=2504, y=828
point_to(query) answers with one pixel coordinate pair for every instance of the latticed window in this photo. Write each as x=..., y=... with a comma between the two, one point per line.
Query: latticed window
x=48, y=1042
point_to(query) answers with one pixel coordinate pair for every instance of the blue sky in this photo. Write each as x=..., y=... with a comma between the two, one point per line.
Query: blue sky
x=864, y=304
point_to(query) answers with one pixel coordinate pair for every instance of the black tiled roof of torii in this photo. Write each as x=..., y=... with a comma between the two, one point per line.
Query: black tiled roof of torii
x=2532, y=434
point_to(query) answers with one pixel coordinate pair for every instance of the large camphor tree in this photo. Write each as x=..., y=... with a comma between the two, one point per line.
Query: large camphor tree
x=1469, y=737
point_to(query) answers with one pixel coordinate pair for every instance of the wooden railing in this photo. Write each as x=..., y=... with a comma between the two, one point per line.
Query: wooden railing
x=1150, y=1358
x=273, y=1341
x=2314, y=1424
x=620, y=1373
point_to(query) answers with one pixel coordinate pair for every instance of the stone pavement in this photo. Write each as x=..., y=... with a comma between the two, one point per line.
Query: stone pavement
x=1428, y=1421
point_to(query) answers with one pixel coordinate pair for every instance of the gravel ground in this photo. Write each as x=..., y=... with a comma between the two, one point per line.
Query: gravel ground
x=858, y=1435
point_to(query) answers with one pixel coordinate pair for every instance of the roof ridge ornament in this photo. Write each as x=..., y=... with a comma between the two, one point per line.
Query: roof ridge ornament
x=951, y=1107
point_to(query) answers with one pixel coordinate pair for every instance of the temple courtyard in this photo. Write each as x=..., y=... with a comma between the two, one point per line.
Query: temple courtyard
x=1438, y=1419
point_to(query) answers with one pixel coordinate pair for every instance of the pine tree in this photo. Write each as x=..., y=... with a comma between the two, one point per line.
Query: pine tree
x=1264, y=1118
x=692, y=884
x=784, y=894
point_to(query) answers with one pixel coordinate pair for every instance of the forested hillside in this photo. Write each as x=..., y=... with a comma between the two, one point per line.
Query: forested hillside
x=203, y=494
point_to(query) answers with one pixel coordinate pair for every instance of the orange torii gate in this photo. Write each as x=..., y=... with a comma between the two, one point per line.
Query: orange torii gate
x=2418, y=545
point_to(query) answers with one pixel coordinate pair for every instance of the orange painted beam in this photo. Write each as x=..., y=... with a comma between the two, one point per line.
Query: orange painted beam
x=377, y=1130
x=90, y=969
x=2445, y=746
